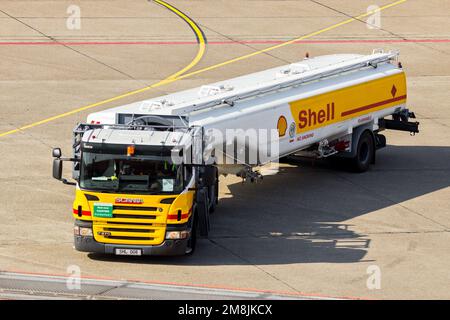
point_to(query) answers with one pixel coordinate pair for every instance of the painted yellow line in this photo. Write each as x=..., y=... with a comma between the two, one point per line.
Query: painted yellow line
x=198, y=32
x=178, y=76
x=291, y=41
x=193, y=63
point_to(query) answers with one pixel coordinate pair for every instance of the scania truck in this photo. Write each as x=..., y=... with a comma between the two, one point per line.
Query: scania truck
x=146, y=174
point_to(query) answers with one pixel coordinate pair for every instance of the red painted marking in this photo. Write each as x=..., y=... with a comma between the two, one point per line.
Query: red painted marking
x=371, y=106
x=84, y=43
x=393, y=90
x=290, y=293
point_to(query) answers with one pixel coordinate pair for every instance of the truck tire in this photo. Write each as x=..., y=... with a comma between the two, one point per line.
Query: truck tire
x=203, y=212
x=192, y=242
x=365, y=153
x=214, y=194
x=212, y=204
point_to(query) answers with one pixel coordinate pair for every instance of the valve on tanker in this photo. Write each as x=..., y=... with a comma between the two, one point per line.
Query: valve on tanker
x=248, y=175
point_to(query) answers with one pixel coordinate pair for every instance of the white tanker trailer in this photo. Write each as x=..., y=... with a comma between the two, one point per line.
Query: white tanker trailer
x=147, y=173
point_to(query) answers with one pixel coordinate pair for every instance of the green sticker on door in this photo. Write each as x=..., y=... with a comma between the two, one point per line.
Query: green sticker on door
x=103, y=210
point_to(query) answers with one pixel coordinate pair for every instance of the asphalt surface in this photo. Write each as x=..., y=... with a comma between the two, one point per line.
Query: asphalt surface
x=34, y=287
x=313, y=229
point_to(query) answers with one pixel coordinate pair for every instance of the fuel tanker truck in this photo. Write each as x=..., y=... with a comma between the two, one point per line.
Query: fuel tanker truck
x=146, y=173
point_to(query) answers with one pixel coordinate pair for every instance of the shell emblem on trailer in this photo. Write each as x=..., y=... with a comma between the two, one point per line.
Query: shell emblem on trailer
x=353, y=101
x=282, y=126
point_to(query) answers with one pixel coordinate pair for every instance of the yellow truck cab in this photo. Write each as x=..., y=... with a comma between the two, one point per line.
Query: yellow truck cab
x=131, y=198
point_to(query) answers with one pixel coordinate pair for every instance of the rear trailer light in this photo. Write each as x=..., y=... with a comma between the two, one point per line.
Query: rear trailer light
x=342, y=145
x=174, y=235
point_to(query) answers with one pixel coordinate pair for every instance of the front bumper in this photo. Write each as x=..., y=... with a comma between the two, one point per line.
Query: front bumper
x=167, y=248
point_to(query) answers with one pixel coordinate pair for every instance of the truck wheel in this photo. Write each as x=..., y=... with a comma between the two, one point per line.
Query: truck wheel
x=203, y=212
x=365, y=153
x=213, y=204
x=192, y=242
x=203, y=221
x=214, y=195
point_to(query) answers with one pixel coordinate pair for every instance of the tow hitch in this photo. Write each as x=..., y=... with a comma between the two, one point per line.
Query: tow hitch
x=400, y=121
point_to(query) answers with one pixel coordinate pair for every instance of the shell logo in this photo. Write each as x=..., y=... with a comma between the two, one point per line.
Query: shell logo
x=282, y=126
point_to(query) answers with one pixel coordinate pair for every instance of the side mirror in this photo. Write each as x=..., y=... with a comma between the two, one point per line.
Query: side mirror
x=58, y=166
x=56, y=153
x=57, y=169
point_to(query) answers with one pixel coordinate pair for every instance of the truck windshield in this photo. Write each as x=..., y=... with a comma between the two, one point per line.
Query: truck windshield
x=113, y=173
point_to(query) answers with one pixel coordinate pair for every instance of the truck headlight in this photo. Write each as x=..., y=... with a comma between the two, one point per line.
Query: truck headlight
x=82, y=231
x=86, y=232
x=174, y=235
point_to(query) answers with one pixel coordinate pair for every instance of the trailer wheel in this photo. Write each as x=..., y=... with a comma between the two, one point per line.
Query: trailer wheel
x=365, y=153
x=192, y=242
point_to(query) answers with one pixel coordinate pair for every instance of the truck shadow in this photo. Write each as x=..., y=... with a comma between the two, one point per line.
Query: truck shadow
x=302, y=214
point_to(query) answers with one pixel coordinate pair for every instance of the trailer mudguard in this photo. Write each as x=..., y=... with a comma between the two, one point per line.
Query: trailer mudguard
x=357, y=132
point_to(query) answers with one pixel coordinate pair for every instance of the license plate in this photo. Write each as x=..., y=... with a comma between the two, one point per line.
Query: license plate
x=128, y=252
